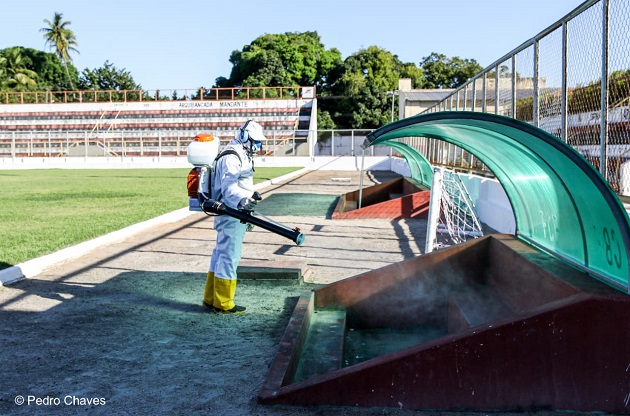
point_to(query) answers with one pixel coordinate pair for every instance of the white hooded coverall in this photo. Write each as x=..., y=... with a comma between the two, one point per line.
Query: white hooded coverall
x=232, y=182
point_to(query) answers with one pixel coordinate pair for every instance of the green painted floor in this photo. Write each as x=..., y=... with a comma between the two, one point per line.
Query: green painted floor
x=298, y=204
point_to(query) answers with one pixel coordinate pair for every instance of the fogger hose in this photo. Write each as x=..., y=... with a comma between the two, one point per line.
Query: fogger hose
x=220, y=208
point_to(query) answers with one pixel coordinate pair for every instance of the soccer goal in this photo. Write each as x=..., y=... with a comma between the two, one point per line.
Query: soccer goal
x=452, y=215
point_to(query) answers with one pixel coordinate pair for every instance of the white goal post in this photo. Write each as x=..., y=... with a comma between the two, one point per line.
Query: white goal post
x=452, y=217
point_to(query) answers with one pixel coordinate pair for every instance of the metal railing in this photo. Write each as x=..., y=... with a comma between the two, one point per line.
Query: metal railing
x=200, y=94
x=151, y=143
x=571, y=80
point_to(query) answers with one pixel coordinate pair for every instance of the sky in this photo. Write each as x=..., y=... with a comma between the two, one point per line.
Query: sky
x=186, y=44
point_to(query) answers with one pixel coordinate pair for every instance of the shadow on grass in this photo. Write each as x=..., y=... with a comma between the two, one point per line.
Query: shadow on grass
x=5, y=265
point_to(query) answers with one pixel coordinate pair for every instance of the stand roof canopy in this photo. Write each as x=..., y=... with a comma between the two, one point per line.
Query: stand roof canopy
x=561, y=203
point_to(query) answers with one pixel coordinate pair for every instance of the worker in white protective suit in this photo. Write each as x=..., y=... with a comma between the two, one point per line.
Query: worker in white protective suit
x=233, y=185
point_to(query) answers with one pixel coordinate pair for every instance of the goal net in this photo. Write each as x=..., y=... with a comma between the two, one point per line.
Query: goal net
x=452, y=216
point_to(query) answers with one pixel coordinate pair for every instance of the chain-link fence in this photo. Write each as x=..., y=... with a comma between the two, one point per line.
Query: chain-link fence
x=571, y=80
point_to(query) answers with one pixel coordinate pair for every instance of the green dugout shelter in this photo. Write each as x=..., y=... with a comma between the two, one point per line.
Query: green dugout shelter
x=561, y=203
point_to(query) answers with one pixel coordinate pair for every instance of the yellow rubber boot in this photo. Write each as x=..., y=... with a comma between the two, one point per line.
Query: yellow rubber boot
x=208, y=293
x=224, y=291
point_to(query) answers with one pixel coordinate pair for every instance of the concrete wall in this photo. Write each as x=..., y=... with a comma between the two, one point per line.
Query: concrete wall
x=492, y=204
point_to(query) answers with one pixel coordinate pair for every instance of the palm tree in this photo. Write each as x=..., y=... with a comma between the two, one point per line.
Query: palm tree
x=60, y=39
x=15, y=66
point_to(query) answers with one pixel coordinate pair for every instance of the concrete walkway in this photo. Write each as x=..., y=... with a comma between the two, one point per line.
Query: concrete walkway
x=120, y=330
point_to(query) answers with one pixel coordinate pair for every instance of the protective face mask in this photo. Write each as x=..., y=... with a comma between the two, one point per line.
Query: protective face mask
x=256, y=146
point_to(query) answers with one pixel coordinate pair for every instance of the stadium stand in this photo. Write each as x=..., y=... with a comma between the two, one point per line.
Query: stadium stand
x=144, y=128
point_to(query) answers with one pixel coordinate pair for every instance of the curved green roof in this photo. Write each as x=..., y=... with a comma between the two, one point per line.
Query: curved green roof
x=420, y=167
x=560, y=201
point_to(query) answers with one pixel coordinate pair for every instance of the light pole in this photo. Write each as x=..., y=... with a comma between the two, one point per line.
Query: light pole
x=392, y=93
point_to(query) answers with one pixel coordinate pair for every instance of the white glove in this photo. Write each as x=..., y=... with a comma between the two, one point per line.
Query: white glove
x=247, y=204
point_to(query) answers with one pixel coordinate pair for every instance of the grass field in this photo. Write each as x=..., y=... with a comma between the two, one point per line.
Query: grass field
x=42, y=211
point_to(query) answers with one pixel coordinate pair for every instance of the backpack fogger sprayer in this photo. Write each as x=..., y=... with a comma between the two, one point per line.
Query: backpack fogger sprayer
x=203, y=151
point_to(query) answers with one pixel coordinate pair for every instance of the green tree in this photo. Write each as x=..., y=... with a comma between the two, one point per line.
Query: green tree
x=357, y=94
x=443, y=72
x=60, y=39
x=107, y=77
x=51, y=72
x=324, y=120
x=289, y=59
x=16, y=69
x=110, y=78
x=3, y=72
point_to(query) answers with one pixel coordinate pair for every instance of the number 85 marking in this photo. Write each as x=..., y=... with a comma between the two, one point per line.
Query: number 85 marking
x=610, y=241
